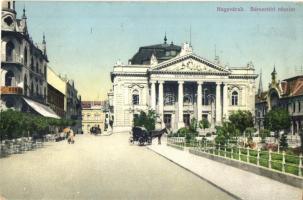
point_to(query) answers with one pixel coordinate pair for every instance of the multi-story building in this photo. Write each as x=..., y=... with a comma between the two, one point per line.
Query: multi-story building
x=23, y=65
x=93, y=115
x=56, y=92
x=287, y=94
x=179, y=85
x=64, y=97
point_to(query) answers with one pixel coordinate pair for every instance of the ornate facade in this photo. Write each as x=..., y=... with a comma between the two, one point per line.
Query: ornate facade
x=287, y=94
x=23, y=65
x=179, y=85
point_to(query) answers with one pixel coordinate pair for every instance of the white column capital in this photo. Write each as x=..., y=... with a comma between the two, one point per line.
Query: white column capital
x=180, y=82
x=200, y=82
x=218, y=83
x=160, y=82
x=152, y=81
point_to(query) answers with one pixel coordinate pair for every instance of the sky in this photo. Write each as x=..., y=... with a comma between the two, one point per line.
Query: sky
x=85, y=39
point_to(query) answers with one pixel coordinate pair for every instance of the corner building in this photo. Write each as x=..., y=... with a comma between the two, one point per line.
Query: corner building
x=23, y=66
x=179, y=85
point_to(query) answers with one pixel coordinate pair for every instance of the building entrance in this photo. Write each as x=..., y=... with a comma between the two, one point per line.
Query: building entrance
x=167, y=120
x=186, y=119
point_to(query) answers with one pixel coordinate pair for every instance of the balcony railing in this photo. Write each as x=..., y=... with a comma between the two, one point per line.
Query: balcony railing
x=11, y=90
x=13, y=59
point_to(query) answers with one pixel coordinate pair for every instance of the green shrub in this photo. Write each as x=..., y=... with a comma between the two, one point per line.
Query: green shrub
x=14, y=124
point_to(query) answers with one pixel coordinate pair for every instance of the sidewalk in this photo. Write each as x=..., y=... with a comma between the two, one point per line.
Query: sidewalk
x=240, y=183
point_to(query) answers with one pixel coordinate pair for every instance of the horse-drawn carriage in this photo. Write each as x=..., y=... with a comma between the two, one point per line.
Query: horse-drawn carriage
x=142, y=136
x=95, y=130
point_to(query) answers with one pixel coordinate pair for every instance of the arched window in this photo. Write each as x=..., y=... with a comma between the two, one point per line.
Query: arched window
x=45, y=71
x=37, y=90
x=25, y=56
x=135, y=97
x=234, y=98
x=9, y=77
x=32, y=89
x=25, y=85
x=187, y=99
x=169, y=99
x=32, y=63
x=274, y=99
x=9, y=51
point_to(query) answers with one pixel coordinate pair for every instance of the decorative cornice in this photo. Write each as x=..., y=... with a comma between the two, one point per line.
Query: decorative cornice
x=190, y=72
x=129, y=74
x=193, y=56
x=245, y=76
x=114, y=74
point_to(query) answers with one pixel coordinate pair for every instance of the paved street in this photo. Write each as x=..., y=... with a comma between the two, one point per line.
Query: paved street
x=102, y=167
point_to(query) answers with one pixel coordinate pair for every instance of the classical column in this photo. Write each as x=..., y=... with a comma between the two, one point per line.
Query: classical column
x=218, y=103
x=153, y=95
x=199, y=100
x=160, y=102
x=180, y=104
x=225, y=101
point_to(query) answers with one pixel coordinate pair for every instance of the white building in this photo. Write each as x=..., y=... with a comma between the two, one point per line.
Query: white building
x=158, y=76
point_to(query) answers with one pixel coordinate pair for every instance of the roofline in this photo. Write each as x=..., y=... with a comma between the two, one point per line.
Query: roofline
x=292, y=78
x=176, y=59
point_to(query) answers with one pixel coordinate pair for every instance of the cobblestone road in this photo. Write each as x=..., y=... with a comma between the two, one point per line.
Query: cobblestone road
x=102, y=167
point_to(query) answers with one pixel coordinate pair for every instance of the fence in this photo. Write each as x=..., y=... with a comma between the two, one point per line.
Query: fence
x=283, y=162
x=21, y=145
x=178, y=142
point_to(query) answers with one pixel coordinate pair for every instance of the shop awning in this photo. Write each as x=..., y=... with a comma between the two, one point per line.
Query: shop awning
x=41, y=109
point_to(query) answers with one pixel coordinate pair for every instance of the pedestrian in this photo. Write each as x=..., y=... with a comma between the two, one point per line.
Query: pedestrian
x=71, y=137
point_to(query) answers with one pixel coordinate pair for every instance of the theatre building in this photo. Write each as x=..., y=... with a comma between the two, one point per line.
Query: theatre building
x=179, y=85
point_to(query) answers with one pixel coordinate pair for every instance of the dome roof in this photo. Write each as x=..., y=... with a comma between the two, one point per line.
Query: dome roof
x=161, y=51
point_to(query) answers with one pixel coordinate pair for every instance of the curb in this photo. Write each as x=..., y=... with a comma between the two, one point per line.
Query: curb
x=196, y=174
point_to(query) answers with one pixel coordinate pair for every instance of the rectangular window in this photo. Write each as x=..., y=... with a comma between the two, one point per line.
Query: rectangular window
x=135, y=99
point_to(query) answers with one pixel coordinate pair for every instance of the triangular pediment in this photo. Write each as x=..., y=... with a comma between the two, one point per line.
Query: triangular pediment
x=189, y=63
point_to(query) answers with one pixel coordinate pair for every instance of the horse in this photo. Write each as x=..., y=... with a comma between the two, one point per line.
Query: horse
x=158, y=133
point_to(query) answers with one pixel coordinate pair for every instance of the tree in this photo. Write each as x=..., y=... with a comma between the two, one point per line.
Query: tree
x=263, y=133
x=224, y=132
x=249, y=132
x=14, y=124
x=283, y=142
x=241, y=120
x=204, y=123
x=146, y=120
x=276, y=120
x=10, y=124
x=193, y=126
